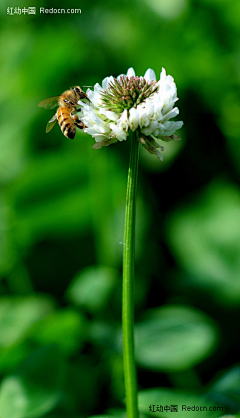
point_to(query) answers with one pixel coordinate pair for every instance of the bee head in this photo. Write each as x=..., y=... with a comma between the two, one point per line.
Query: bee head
x=77, y=89
x=81, y=94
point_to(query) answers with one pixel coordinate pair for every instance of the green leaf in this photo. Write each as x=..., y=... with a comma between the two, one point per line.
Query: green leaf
x=18, y=314
x=205, y=239
x=51, y=195
x=65, y=328
x=230, y=416
x=92, y=287
x=35, y=389
x=174, y=338
x=187, y=404
x=8, y=253
x=227, y=388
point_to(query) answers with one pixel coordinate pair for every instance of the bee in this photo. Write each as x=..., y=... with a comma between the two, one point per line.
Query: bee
x=66, y=114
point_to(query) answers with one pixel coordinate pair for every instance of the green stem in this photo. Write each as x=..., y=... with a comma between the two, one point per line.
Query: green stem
x=129, y=367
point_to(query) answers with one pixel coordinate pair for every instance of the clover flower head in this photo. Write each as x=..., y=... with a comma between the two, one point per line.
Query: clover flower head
x=131, y=103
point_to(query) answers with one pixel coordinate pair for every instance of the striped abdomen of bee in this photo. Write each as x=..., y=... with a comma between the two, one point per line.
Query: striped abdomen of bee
x=66, y=122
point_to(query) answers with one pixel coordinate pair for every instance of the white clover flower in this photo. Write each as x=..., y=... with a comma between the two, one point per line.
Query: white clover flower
x=131, y=103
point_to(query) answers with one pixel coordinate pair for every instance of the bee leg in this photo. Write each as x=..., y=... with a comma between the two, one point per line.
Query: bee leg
x=74, y=116
x=78, y=122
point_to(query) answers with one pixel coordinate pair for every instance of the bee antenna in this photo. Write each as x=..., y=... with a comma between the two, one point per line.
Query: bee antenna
x=87, y=86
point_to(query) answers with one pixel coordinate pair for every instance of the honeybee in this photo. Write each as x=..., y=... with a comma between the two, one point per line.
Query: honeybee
x=66, y=114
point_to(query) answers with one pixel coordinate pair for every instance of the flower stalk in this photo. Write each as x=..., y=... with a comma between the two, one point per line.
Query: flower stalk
x=129, y=367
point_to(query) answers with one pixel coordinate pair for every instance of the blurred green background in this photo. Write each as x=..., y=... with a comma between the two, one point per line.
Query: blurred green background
x=62, y=212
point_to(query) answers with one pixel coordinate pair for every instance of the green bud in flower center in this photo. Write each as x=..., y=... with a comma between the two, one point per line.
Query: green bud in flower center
x=127, y=92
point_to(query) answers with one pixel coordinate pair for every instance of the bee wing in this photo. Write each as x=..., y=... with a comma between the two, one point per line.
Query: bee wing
x=51, y=123
x=49, y=103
